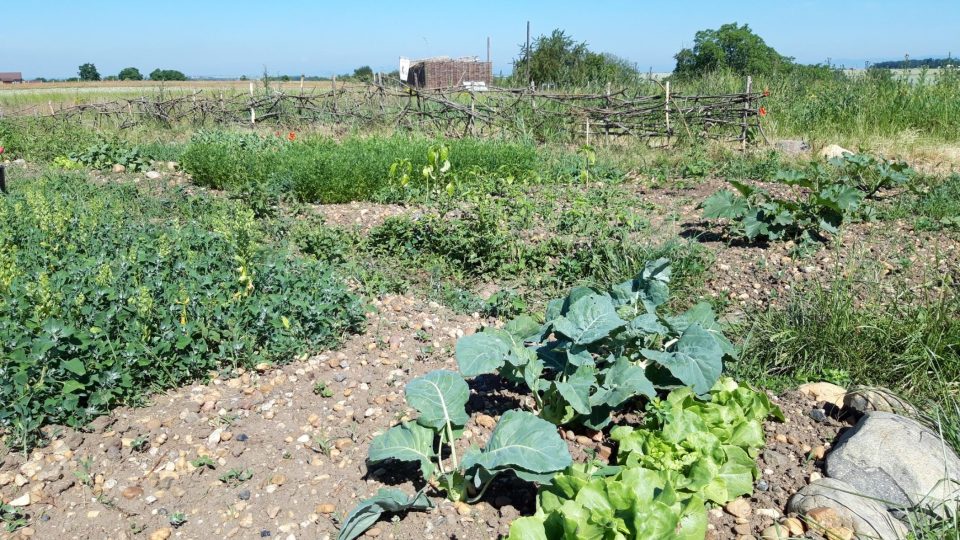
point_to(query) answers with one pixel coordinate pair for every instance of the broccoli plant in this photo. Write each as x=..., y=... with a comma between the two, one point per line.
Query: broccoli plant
x=601, y=348
x=521, y=443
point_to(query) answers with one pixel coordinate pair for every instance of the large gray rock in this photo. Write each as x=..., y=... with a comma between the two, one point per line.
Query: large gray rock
x=792, y=147
x=898, y=461
x=863, y=399
x=867, y=518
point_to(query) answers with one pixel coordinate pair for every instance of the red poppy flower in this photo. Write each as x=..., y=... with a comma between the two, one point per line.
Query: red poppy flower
x=292, y=136
x=1, y=149
x=763, y=111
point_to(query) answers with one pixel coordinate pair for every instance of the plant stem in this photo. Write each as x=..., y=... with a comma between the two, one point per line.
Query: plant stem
x=482, y=490
x=453, y=448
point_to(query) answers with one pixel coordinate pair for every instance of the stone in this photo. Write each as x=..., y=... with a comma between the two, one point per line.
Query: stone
x=839, y=533
x=132, y=492
x=834, y=151
x=325, y=508
x=738, y=508
x=896, y=460
x=775, y=532
x=161, y=534
x=118, y=168
x=824, y=391
x=866, y=517
x=153, y=175
x=172, y=165
x=23, y=500
x=793, y=525
x=485, y=420
x=862, y=400
x=792, y=147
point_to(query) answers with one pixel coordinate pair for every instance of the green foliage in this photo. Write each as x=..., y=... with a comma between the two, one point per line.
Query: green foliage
x=599, y=349
x=559, y=60
x=690, y=451
x=870, y=175
x=818, y=204
x=142, y=293
x=363, y=73
x=322, y=389
x=235, y=477
x=730, y=47
x=520, y=443
x=130, y=74
x=105, y=154
x=369, y=510
x=43, y=139
x=12, y=518
x=88, y=72
x=326, y=171
x=177, y=519
x=167, y=75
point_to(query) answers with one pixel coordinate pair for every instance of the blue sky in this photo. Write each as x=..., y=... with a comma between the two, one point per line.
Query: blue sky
x=219, y=38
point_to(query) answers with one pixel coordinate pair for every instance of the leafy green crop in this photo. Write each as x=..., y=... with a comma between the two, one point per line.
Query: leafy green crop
x=520, y=442
x=600, y=349
x=104, y=155
x=106, y=293
x=369, y=510
x=819, y=205
x=689, y=452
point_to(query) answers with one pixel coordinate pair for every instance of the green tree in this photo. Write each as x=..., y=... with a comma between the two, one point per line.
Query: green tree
x=558, y=59
x=88, y=72
x=130, y=74
x=732, y=47
x=167, y=75
x=363, y=73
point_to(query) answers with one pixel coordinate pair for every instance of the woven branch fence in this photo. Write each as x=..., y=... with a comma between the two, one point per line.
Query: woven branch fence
x=453, y=112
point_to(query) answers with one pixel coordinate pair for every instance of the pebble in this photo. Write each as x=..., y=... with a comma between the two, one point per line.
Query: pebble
x=762, y=485
x=738, y=508
x=794, y=526
x=23, y=500
x=818, y=415
x=161, y=534
x=485, y=420
x=775, y=532
x=325, y=508
x=132, y=492
x=244, y=495
x=243, y=437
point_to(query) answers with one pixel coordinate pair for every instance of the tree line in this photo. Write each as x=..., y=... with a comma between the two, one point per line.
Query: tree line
x=88, y=72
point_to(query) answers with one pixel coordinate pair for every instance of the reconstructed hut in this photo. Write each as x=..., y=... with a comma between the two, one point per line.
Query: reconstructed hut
x=9, y=77
x=443, y=72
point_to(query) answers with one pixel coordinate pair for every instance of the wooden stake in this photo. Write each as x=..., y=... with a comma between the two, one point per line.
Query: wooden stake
x=253, y=112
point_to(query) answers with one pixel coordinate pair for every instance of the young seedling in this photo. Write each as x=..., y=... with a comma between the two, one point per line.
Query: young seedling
x=321, y=389
x=204, y=462
x=177, y=519
x=234, y=477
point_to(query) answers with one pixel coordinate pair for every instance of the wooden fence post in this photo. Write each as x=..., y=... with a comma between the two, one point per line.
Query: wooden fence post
x=253, y=111
x=747, y=105
x=666, y=108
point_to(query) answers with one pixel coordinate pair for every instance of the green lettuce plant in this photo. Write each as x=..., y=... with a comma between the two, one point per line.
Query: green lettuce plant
x=690, y=451
x=601, y=348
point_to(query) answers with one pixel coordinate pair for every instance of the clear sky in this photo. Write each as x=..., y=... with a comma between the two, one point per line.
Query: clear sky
x=229, y=38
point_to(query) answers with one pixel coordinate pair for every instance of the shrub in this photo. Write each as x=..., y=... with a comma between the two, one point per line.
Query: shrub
x=139, y=294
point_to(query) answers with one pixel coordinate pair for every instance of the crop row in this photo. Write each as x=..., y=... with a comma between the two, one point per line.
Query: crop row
x=107, y=294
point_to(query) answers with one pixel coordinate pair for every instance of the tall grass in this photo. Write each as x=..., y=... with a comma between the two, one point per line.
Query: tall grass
x=323, y=170
x=825, y=103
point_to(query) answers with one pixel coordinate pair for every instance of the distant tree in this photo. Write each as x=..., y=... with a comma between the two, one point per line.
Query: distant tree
x=111, y=78
x=167, y=75
x=363, y=73
x=731, y=47
x=242, y=78
x=88, y=72
x=285, y=78
x=130, y=74
x=558, y=59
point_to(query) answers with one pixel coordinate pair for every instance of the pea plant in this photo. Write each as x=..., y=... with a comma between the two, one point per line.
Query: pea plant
x=600, y=349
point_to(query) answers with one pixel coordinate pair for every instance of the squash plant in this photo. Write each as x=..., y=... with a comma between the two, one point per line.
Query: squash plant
x=601, y=348
x=821, y=205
